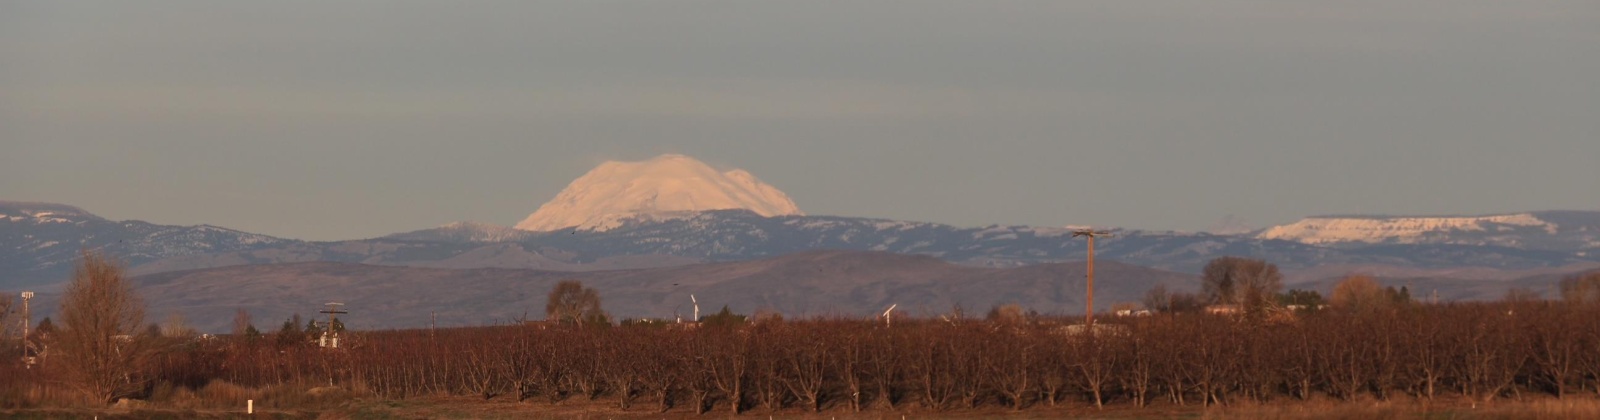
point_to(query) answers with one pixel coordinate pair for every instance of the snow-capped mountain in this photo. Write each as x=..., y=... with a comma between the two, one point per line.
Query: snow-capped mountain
x=40, y=241
x=1546, y=230
x=666, y=187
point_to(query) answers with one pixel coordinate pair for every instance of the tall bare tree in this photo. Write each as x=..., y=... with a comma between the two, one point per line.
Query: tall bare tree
x=241, y=322
x=100, y=314
x=1249, y=283
x=571, y=302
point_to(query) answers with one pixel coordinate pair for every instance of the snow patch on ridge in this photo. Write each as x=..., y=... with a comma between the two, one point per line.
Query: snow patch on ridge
x=1324, y=230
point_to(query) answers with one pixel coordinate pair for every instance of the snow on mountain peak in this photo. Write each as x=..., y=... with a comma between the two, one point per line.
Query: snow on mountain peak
x=667, y=186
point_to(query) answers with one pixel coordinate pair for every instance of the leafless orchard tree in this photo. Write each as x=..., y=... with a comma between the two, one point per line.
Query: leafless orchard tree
x=805, y=362
x=1094, y=358
x=887, y=364
x=1009, y=363
x=729, y=362
x=1137, y=368
x=852, y=362
x=764, y=382
x=663, y=365
x=480, y=369
x=1556, y=352
x=620, y=365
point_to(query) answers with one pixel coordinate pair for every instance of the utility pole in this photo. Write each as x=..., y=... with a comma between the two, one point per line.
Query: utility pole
x=1089, y=300
x=332, y=311
x=27, y=321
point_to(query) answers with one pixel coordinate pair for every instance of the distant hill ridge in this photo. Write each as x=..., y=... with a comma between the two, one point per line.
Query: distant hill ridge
x=39, y=250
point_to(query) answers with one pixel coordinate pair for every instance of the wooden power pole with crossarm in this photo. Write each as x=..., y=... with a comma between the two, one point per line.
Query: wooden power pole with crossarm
x=1089, y=296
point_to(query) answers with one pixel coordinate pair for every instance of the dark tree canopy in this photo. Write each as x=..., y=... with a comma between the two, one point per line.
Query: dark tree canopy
x=1159, y=299
x=1307, y=298
x=45, y=327
x=723, y=318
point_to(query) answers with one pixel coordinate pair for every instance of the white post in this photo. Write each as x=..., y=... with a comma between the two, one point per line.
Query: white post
x=249, y=406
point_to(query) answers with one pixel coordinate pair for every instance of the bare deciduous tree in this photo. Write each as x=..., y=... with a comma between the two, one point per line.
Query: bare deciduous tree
x=570, y=302
x=100, y=314
x=241, y=322
x=176, y=326
x=1249, y=283
x=1357, y=293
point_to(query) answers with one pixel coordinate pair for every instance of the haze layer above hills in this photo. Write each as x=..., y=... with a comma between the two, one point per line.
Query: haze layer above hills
x=818, y=283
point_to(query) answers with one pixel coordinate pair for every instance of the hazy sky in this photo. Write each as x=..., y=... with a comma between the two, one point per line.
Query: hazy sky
x=340, y=120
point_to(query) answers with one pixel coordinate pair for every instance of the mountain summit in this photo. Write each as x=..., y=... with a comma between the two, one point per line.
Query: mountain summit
x=665, y=187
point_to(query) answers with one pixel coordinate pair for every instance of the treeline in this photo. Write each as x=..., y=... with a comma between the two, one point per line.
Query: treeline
x=1482, y=352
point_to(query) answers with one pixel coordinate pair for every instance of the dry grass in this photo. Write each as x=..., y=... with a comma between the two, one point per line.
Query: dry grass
x=1573, y=407
x=216, y=399
x=1579, y=407
x=220, y=399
